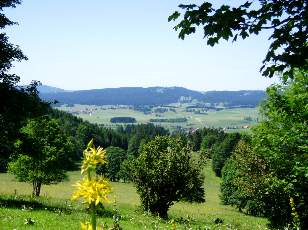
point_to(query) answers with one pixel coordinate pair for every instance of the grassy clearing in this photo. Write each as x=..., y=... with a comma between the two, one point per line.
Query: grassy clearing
x=54, y=210
x=216, y=119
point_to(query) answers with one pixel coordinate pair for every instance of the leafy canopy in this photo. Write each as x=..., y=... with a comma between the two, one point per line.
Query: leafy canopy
x=286, y=19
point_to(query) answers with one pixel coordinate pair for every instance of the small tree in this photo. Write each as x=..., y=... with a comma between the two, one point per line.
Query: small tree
x=165, y=173
x=40, y=153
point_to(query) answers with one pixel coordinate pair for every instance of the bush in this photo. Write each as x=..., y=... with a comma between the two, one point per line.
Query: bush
x=243, y=178
x=164, y=173
x=125, y=172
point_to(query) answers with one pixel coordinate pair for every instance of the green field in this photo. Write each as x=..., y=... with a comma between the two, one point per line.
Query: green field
x=230, y=119
x=54, y=210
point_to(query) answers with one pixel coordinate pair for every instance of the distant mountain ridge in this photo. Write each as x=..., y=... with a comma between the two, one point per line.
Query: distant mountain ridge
x=43, y=89
x=137, y=96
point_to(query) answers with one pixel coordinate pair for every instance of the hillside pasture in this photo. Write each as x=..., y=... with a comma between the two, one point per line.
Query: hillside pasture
x=57, y=211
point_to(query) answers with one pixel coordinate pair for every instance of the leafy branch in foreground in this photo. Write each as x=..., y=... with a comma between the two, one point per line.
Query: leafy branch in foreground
x=287, y=20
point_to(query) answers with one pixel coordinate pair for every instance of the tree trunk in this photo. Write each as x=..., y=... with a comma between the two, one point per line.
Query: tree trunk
x=160, y=209
x=36, y=188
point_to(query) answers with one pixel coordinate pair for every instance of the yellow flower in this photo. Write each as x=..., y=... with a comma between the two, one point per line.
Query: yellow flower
x=86, y=226
x=92, y=157
x=95, y=190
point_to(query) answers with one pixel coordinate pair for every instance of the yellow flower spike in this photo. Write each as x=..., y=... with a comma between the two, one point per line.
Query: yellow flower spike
x=93, y=157
x=86, y=226
x=95, y=190
x=173, y=223
x=92, y=189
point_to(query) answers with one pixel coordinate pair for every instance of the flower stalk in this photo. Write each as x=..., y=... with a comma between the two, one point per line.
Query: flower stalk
x=93, y=189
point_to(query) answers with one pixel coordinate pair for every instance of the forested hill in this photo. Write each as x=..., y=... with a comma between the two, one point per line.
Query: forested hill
x=153, y=96
x=244, y=98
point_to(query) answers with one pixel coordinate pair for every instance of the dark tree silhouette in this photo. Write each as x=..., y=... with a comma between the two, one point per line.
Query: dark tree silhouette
x=16, y=104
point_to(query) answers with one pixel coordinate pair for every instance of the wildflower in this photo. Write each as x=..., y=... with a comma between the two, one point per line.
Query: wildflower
x=173, y=225
x=86, y=226
x=95, y=190
x=92, y=157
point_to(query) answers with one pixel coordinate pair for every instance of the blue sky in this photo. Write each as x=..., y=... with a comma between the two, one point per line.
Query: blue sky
x=78, y=44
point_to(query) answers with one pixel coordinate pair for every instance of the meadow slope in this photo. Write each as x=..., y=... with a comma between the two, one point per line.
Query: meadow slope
x=54, y=210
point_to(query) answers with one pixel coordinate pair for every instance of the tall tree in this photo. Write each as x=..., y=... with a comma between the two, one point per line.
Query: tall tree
x=9, y=52
x=16, y=104
x=288, y=21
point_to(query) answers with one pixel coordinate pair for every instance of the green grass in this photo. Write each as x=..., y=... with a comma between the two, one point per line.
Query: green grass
x=54, y=210
x=218, y=119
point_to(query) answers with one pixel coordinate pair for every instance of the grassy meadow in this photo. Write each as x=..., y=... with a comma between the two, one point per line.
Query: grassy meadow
x=232, y=119
x=55, y=210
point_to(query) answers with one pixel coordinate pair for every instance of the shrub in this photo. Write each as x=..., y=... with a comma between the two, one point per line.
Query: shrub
x=164, y=173
x=243, y=180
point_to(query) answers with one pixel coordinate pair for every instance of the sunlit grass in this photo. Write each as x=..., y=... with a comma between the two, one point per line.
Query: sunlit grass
x=127, y=202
